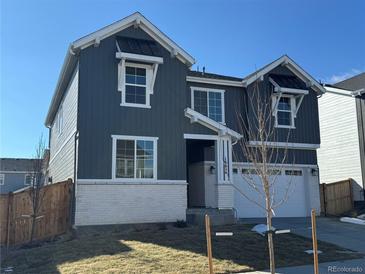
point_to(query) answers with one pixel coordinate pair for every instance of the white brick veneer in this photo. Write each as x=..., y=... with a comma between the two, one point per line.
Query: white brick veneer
x=130, y=203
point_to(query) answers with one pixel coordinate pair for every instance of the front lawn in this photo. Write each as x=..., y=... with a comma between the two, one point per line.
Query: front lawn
x=160, y=249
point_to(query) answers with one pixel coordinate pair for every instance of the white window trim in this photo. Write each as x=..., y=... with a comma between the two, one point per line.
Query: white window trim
x=25, y=179
x=134, y=138
x=2, y=179
x=150, y=76
x=275, y=105
x=221, y=91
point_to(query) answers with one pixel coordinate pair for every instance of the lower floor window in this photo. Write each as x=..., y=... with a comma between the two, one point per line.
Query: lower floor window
x=135, y=157
x=28, y=180
x=292, y=172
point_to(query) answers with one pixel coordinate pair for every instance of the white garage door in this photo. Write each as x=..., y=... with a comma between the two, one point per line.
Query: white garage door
x=295, y=205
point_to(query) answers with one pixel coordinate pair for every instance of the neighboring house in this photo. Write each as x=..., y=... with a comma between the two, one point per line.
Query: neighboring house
x=146, y=139
x=15, y=174
x=342, y=121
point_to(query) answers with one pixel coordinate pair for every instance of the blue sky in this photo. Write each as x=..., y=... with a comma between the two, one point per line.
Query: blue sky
x=327, y=38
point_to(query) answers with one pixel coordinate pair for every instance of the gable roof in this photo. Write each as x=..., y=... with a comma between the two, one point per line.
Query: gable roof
x=94, y=38
x=135, y=19
x=351, y=87
x=292, y=66
x=354, y=83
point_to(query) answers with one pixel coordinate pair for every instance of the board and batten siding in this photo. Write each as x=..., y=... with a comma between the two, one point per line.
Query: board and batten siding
x=100, y=204
x=101, y=115
x=339, y=155
x=62, y=147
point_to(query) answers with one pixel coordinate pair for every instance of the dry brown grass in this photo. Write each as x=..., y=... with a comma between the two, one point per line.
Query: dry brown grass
x=159, y=250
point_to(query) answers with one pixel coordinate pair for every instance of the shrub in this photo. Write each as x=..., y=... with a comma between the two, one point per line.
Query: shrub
x=180, y=224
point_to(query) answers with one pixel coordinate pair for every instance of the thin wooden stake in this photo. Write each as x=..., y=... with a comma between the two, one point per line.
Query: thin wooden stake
x=314, y=238
x=209, y=243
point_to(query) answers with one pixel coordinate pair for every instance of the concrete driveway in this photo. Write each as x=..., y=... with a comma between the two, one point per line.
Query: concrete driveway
x=331, y=230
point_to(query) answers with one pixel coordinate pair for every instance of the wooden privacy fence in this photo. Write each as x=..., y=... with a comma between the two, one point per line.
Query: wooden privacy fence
x=336, y=198
x=53, y=216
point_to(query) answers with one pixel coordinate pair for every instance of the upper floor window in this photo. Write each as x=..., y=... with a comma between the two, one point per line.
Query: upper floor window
x=134, y=157
x=209, y=102
x=2, y=179
x=284, y=111
x=136, y=85
x=136, y=82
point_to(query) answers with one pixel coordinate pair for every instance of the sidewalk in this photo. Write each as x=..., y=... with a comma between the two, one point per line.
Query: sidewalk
x=351, y=266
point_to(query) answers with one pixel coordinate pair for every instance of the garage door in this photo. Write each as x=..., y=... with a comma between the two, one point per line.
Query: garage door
x=295, y=205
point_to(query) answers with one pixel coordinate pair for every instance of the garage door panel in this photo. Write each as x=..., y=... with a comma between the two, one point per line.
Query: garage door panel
x=294, y=205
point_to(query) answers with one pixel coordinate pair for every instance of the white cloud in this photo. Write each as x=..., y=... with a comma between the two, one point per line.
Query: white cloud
x=340, y=77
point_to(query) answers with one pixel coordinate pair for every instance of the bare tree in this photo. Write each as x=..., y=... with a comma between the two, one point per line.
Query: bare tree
x=36, y=190
x=257, y=125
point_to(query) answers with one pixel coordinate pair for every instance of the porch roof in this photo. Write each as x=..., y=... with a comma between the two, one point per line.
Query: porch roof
x=210, y=123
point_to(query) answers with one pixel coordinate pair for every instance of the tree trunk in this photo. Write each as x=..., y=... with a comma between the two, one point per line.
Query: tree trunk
x=270, y=242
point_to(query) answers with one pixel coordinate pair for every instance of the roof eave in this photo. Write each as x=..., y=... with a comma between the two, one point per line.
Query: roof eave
x=65, y=67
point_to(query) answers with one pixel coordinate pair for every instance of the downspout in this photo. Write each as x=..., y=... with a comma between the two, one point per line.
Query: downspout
x=73, y=204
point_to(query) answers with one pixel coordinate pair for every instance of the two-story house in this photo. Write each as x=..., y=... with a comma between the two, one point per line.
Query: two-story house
x=146, y=139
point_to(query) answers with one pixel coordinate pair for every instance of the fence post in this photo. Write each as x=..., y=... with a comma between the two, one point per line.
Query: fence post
x=314, y=238
x=324, y=199
x=209, y=243
x=9, y=219
x=351, y=194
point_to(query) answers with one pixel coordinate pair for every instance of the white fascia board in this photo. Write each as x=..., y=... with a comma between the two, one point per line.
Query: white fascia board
x=139, y=57
x=200, y=136
x=286, y=145
x=290, y=65
x=130, y=137
x=139, y=20
x=292, y=90
x=214, y=81
x=263, y=71
x=339, y=91
x=213, y=125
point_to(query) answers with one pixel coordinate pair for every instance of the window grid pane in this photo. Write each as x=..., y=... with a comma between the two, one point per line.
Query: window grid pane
x=144, y=159
x=200, y=102
x=215, y=106
x=135, y=88
x=125, y=159
x=209, y=103
x=284, y=118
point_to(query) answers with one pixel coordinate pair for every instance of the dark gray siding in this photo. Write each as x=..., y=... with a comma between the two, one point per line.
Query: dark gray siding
x=234, y=102
x=307, y=120
x=100, y=113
